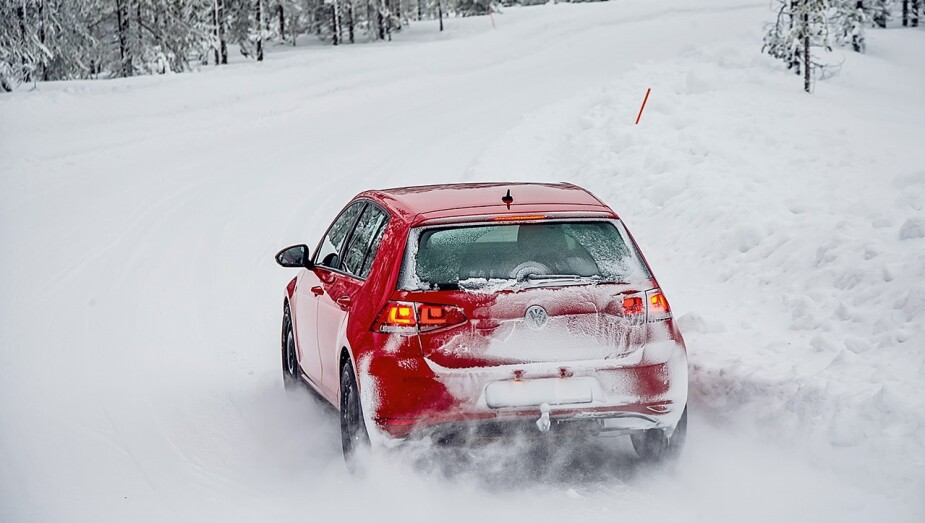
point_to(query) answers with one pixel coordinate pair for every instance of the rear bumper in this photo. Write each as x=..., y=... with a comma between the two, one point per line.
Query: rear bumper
x=414, y=397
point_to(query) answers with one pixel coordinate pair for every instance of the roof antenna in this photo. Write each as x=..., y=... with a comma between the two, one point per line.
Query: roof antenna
x=508, y=199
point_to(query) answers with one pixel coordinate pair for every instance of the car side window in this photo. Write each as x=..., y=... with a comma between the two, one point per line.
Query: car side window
x=373, y=249
x=330, y=252
x=365, y=241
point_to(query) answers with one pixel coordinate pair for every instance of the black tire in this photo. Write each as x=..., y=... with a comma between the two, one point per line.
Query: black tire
x=654, y=445
x=291, y=373
x=353, y=435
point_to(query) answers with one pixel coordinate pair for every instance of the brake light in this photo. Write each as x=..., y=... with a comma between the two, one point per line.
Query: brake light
x=408, y=318
x=400, y=314
x=653, y=308
x=519, y=218
x=633, y=305
x=433, y=315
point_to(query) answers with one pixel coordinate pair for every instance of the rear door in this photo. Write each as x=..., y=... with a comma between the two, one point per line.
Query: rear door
x=343, y=289
x=311, y=288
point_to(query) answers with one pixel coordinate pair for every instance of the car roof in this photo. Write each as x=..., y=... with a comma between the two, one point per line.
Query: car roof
x=419, y=203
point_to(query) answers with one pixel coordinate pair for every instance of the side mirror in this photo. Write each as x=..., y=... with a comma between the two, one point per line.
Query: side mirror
x=295, y=256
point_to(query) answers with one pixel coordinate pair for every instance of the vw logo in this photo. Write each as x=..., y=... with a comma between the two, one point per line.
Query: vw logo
x=536, y=317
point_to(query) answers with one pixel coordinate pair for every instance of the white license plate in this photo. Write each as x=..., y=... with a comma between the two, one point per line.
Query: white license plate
x=526, y=393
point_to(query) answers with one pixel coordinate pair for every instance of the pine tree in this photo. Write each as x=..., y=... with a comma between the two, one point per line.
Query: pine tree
x=880, y=11
x=849, y=19
x=800, y=26
x=910, y=13
x=67, y=39
x=472, y=7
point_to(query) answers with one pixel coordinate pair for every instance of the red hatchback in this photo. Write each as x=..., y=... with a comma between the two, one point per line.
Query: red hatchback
x=453, y=311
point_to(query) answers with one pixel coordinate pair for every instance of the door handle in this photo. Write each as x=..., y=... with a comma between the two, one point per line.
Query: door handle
x=317, y=291
x=343, y=302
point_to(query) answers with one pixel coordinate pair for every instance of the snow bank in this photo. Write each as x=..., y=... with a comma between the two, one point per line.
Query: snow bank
x=786, y=229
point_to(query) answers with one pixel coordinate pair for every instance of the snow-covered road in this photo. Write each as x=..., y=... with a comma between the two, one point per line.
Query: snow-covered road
x=139, y=304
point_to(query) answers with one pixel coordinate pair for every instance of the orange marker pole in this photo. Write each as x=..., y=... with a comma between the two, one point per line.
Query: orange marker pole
x=644, y=100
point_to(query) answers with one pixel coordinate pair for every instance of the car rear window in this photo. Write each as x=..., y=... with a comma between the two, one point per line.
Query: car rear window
x=524, y=253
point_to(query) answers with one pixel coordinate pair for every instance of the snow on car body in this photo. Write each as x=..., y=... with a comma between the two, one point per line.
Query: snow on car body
x=441, y=310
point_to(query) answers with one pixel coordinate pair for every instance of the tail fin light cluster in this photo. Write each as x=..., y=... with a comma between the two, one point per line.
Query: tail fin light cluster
x=408, y=318
x=649, y=308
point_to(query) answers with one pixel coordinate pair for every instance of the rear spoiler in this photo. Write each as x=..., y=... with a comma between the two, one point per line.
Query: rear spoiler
x=515, y=217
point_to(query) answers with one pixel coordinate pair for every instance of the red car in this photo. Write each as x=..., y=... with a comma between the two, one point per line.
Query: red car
x=453, y=311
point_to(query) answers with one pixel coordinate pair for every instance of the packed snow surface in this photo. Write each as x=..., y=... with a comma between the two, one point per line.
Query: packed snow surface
x=140, y=306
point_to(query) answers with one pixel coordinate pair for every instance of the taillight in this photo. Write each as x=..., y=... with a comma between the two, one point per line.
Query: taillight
x=657, y=305
x=432, y=315
x=400, y=314
x=402, y=317
x=654, y=307
x=633, y=305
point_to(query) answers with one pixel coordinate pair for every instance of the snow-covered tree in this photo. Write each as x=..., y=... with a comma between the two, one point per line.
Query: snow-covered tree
x=801, y=25
x=911, y=13
x=46, y=40
x=17, y=50
x=880, y=11
x=286, y=19
x=849, y=19
x=66, y=39
x=472, y=7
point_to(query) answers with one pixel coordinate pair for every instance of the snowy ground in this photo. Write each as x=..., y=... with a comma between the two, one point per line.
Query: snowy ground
x=139, y=304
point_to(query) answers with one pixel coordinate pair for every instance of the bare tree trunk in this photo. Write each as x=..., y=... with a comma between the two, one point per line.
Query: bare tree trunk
x=420, y=10
x=388, y=20
x=125, y=52
x=335, y=24
x=379, y=19
x=21, y=15
x=293, y=28
x=340, y=20
x=806, y=66
x=218, y=19
x=158, y=17
x=41, y=34
x=440, y=13
x=259, y=12
x=282, y=21
x=905, y=13
x=139, y=37
x=215, y=31
x=914, y=21
x=350, y=20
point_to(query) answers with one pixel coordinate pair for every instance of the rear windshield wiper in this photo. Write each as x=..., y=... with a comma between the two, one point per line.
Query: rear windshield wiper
x=564, y=278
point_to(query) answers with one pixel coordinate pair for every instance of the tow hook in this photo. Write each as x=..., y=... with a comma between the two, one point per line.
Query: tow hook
x=543, y=423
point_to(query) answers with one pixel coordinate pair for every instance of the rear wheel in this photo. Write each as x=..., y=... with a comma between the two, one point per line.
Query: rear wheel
x=353, y=435
x=291, y=378
x=655, y=446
